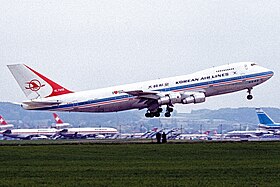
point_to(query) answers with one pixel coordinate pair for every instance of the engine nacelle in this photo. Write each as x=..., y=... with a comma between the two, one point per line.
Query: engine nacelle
x=171, y=98
x=194, y=98
x=164, y=100
x=185, y=98
x=175, y=97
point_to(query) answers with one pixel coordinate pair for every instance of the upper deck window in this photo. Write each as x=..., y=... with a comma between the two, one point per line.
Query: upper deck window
x=223, y=70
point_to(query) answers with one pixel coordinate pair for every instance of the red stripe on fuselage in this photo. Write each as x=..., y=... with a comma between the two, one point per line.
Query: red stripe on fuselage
x=197, y=87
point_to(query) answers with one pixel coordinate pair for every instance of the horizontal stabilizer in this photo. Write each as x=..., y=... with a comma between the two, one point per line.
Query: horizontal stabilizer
x=41, y=103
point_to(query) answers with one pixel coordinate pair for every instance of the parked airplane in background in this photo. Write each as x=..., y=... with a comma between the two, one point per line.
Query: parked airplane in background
x=86, y=132
x=141, y=135
x=44, y=94
x=4, y=125
x=265, y=121
x=59, y=130
x=247, y=134
x=8, y=131
x=59, y=124
x=83, y=132
x=28, y=134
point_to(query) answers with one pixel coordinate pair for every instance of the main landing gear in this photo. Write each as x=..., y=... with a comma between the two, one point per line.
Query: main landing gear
x=150, y=114
x=249, y=97
x=168, y=112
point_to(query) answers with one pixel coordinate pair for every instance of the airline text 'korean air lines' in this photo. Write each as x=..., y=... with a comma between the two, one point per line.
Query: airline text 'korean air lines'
x=45, y=94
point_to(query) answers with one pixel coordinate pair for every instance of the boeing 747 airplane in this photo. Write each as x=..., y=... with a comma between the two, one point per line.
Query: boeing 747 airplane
x=45, y=94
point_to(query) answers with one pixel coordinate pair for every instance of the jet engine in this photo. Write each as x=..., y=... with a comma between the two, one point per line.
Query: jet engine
x=198, y=97
x=170, y=98
x=185, y=98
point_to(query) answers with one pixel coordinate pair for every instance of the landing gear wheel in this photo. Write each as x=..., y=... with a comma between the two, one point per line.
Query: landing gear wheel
x=168, y=109
x=249, y=97
x=167, y=114
x=157, y=114
x=159, y=110
x=152, y=114
x=148, y=115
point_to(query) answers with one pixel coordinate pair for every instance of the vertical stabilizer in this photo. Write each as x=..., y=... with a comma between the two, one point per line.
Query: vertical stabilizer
x=57, y=119
x=2, y=121
x=59, y=124
x=4, y=125
x=263, y=117
x=35, y=85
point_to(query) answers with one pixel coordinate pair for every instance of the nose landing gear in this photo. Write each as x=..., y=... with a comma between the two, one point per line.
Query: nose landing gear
x=250, y=96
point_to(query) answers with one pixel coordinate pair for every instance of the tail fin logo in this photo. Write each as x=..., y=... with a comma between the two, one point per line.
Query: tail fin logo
x=34, y=85
x=2, y=121
x=57, y=119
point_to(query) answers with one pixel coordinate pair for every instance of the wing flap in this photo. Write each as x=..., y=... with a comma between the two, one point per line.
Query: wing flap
x=140, y=92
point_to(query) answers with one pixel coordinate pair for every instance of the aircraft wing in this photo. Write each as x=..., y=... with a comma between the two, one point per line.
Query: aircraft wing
x=149, y=98
x=155, y=95
x=154, y=99
x=19, y=136
x=31, y=136
x=144, y=94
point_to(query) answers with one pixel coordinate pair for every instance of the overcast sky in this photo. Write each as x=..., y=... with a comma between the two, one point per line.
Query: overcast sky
x=93, y=44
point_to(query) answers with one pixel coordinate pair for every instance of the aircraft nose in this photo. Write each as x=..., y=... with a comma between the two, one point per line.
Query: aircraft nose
x=271, y=73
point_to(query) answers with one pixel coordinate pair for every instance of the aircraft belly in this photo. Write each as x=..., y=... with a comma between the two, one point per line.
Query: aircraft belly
x=216, y=88
x=229, y=88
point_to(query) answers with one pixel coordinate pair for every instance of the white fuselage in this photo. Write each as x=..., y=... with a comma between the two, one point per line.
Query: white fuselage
x=275, y=126
x=255, y=133
x=60, y=125
x=88, y=130
x=24, y=133
x=28, y=133
x=214, y=81
x=33, y=131
x=5, y=127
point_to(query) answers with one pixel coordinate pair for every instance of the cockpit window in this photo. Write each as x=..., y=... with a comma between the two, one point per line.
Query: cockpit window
x=253, y=64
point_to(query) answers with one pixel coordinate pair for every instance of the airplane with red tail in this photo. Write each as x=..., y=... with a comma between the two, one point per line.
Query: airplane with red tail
x=81, y=132
x=59, y=124
x=45, y=94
